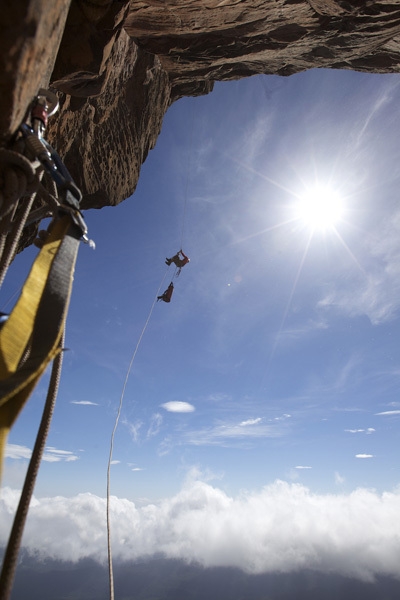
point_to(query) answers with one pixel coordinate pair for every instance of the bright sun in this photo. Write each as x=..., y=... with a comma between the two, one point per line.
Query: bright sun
x=320, y=208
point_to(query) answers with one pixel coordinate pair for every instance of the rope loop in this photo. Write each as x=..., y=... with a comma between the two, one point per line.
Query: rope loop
x=18, y=178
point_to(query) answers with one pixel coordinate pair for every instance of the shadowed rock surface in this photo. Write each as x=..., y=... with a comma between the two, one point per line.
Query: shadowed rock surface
x=121, y=64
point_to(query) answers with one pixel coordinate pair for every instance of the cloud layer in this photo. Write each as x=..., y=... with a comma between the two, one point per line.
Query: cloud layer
x=282, y=528
x=51, y=454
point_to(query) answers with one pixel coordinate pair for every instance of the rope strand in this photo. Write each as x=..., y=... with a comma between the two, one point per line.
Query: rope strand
x=14, y=542
x=109, y=549
x=188, y=177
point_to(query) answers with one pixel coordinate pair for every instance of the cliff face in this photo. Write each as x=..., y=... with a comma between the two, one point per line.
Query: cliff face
x=121, y=64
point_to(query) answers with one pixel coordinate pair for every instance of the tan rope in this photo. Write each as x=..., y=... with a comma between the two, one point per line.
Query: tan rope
x=188, y=175
x=13, y=238
x=17, y=179
x=109, y=549
x=11, y=555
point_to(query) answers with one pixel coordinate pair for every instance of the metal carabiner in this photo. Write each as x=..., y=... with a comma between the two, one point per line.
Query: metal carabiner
x=44, y=106
x=79, y=221
x=51, y=101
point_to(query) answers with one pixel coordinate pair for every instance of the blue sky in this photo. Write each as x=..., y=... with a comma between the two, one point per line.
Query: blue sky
x=276, y=365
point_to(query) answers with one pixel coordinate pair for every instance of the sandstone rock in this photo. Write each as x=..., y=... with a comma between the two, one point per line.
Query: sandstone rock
x=121, y=64
x=30, y=34
x=117, y=105
x=222, y=40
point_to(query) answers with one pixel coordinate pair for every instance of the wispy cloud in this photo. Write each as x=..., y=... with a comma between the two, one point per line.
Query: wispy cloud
x=281, y=528
x=250, y=422
x=219, y=397
x=84, y=402
x=293, y=334
x=229, y=433
x=283, y=417
x=51, y=454
x=17, y=452
x=366, y=431
x=385, y=97
x=155, y=424
x=133, y=428
x=302, y=467
x=376, y=295
x=178, y=407
x=339, y=480
x=387, y=413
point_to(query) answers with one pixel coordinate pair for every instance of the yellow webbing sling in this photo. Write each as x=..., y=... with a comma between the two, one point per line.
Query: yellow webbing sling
x=36, y=322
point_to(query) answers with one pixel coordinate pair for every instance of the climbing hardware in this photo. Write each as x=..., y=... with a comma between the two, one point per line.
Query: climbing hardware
x=34, y=184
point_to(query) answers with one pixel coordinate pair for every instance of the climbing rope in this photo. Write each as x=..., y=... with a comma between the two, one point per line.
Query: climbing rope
x=11, y=241
x=188, y=177
x=14, y=542
x=109, y=549
x=34, y=184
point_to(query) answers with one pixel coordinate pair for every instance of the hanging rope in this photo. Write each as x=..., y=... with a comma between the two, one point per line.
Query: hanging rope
x=188, y=177
x=14, y=542
x=109, y=550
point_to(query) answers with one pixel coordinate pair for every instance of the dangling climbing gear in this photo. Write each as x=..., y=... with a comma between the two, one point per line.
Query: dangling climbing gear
x=166, y=296
x=31, y=336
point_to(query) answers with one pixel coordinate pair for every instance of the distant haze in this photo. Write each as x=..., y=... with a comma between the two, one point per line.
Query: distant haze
x=160, y=579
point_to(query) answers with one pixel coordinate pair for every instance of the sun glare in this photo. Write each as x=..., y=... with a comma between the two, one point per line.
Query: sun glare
x=320, y=208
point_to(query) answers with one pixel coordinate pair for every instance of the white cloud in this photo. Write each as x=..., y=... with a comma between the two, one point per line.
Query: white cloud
x=178, y=407
x=115, y=462
x=283, y=527
x=283, y=417
x=367, y=431
x=364, y=456
x=250, y=422
x=388, y=413
x=50, y=454
x=137, y=469
x=84, y=402
x=302, y=467
x=16, y=451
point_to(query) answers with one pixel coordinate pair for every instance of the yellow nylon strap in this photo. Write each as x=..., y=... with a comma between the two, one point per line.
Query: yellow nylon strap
x=8, y=413
x=17, y=331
